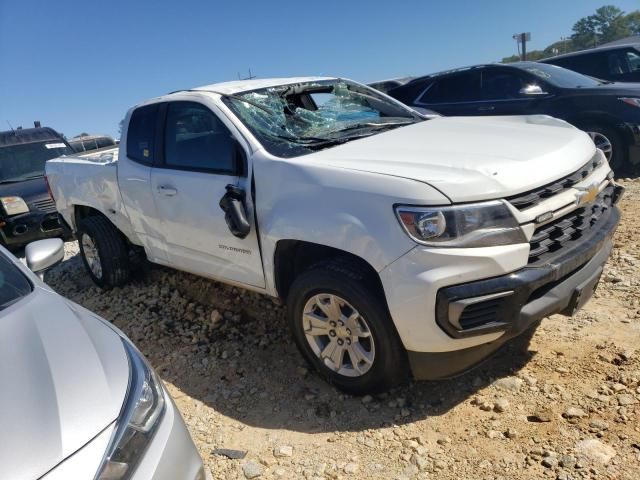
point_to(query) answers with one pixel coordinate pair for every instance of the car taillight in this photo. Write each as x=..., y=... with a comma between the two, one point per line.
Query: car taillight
x=46, y=181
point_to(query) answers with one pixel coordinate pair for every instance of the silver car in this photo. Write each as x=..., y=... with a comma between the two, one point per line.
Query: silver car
x=78, y=400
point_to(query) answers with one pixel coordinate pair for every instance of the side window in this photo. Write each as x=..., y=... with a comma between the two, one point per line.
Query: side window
x=141, y=134
x=463, y=87
x=501, y=85
x=588, y=64
x=196, y=139
x=617, y=63
x=633, y=60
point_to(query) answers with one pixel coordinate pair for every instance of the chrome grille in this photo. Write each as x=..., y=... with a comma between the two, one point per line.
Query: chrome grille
x=563, y=232
x=45, y=205
x=525, y=200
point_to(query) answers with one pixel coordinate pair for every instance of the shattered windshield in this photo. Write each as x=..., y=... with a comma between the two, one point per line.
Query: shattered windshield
x=292, y=120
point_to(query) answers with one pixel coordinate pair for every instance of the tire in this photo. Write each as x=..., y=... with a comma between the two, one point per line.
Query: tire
x=344, y=282
x=619, y=148
x=100, y=241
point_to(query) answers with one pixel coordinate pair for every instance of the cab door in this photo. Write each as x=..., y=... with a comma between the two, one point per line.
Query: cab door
x=138, y=152
x=201, y=164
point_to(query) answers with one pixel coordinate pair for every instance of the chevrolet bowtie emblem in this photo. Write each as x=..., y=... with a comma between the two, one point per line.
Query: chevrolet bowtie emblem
x=586, y=194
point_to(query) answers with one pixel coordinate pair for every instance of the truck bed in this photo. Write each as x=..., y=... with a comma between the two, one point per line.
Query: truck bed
x=89, y=180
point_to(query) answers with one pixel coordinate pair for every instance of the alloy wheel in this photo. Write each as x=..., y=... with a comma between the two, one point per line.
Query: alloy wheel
x=603, y=143
x=91, y=255
x=338, y=335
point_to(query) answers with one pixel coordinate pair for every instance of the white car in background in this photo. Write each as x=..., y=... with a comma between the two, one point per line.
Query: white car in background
x=79, y=401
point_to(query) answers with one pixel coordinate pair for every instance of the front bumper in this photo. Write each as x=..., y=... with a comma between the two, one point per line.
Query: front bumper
x=18, y=230
x=443, y=343
x=538, y=293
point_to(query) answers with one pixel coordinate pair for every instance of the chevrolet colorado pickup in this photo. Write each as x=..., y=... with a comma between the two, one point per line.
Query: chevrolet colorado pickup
x=399, y=244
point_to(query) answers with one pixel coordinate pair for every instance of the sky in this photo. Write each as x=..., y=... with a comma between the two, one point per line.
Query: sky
x=78, y=66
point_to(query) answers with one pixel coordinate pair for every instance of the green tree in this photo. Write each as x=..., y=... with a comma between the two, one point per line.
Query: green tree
x=607, y=24
x=633, y=20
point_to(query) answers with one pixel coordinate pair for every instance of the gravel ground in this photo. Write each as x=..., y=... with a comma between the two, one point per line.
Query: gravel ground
x=563, y=405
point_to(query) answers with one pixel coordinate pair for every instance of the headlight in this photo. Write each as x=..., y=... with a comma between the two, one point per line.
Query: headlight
x=633, y=101
x=472, y=225
x=14, y=205
x=138, y=419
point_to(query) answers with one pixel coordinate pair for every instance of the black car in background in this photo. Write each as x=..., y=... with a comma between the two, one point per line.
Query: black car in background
x=27, y=211
x=618, y=63
x=609, y=112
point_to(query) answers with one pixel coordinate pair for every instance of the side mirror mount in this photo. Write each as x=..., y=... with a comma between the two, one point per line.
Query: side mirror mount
x=44, y=254
x=232, y=204
x=426, y=113
x=532, y=90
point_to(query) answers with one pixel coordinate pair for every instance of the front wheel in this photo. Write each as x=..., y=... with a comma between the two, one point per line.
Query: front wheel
x=104, y=252
x=345, y=331
x=612, y=145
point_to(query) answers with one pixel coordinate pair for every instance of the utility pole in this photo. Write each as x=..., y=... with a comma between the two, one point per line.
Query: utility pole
x=522, y=39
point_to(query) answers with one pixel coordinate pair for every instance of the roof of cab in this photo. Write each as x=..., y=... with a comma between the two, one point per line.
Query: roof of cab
x=234, y=87
x=238, y=86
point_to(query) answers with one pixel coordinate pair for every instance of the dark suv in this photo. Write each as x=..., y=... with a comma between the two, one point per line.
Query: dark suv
x=27, y=211
x=609, y=112
x=619, y=63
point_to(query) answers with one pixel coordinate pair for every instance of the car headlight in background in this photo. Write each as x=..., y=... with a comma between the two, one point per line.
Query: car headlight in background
x=143, y=408
x=471, y=225
x=14, y=205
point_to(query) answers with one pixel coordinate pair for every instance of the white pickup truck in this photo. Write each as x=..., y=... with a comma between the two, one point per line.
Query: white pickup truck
x=399, y=243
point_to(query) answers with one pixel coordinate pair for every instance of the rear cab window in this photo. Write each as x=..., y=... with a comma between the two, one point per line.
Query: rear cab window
x=141, y=134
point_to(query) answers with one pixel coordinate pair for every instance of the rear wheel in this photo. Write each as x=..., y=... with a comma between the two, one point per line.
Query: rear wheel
x=104, y=251
x=344, y=330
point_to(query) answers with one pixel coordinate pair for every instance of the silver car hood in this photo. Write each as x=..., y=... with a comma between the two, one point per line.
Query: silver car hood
x=64, y=377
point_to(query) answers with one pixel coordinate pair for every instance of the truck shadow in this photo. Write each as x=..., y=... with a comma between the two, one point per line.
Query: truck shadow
x=245, y=366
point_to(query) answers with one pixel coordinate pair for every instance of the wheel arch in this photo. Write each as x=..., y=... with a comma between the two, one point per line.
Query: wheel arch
x=292, y=257
x=583, y=120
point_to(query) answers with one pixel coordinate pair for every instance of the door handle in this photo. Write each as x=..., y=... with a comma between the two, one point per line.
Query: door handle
x=486, y=109
x=167, y=191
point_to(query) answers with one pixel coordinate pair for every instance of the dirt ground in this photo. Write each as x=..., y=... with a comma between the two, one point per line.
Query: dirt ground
x=564, y=406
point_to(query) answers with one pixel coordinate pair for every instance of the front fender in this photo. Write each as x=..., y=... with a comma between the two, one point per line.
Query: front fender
x=344, y=209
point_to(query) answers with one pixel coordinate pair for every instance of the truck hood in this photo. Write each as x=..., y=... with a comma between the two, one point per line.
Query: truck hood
x=470, y=158
x=64, y=377
x=33, y=187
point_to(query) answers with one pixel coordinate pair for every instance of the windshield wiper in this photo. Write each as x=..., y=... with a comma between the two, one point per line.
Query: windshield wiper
x=311, y=142
x=372, y=126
